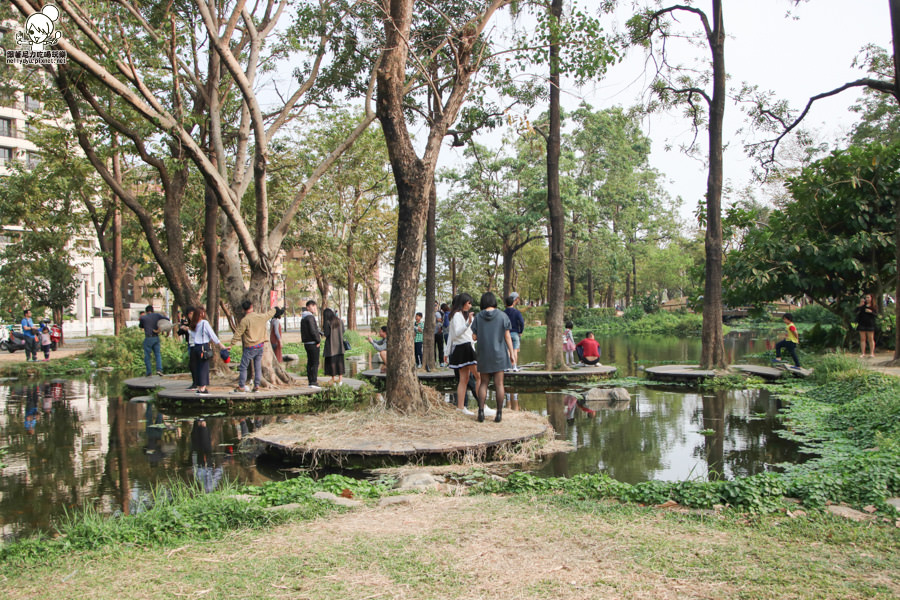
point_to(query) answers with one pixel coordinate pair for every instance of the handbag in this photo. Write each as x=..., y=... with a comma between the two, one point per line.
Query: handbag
x=347, y=345
x=205, y=351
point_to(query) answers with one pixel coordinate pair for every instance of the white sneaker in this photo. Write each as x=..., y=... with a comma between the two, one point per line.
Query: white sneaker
x=315, y=387
x=489, y=412
x=467, y=412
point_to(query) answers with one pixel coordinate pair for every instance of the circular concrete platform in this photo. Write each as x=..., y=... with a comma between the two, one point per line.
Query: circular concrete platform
x=446, y=433
x=679, y=373
x=527, y=377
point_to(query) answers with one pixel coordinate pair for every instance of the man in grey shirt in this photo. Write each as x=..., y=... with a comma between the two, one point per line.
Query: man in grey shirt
x=149, y=323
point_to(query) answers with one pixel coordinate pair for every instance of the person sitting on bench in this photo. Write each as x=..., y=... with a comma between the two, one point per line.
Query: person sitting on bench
x=588, y=350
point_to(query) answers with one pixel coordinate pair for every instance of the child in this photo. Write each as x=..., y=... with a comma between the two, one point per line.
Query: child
x=790, y=341
x=380, y=347
x=569, y=344
x=419, y=329
x=45, y=341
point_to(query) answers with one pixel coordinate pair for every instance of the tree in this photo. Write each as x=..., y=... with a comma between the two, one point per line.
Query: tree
x=673, y=85
x=148, y=59
x=456, y=43
x=832, y=242
x=886, y=82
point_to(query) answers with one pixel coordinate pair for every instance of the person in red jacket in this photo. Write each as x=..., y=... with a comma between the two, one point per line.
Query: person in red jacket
x=588, y=350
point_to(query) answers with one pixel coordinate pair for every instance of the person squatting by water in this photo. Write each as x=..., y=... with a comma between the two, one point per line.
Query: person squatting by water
x=311, y=336
x=252, y=333
x=459, y=352
x=491, y=329
x=380, y=346
x=790, y=341
x=588, y=350
x=866, y=314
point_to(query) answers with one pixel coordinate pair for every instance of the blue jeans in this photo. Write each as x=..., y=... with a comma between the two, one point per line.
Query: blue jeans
x=419, y=347
x=151, y=344
x=255, y=355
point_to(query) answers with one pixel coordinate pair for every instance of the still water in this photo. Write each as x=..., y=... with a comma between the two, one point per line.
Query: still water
x=75, y=442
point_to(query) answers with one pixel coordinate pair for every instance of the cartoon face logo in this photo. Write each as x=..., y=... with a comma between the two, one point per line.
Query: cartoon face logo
x=39, y=29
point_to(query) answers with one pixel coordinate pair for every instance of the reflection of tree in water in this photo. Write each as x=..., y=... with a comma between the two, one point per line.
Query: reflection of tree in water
x=49, y=481
x=627, y=444
x=760, y=445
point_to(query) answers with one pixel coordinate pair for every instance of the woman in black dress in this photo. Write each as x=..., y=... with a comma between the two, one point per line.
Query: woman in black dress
x=333, y=348
x=865, y=325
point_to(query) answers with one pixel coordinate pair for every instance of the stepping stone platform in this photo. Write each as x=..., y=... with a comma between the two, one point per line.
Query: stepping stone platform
x=527, y=377
x=171, y=390
x=391, y=437
x=693, y=373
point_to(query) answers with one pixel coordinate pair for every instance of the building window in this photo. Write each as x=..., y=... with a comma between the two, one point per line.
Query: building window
x=31, y=104
x=7, y=128
x=6, y=156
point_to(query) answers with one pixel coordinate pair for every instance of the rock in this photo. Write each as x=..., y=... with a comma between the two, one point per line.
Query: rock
x=796, y=514
x=895, y=502
x=395, y=500
x=848, y=513
x=610, y=394
x=417, y=480
x=244, y=497
x=139, y=399
x=281, y=507
x=290, y=357
x=337, y=500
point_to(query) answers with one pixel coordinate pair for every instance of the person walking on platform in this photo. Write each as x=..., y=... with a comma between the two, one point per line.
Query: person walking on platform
x=252, y=333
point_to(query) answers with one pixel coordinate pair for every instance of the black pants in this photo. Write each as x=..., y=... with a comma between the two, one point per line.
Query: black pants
x=193, y=360
x=438, y=348
x=588, y=361
x=312, y=363
x=791, y=347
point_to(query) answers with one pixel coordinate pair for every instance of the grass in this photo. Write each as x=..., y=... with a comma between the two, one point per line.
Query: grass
x=496, y=547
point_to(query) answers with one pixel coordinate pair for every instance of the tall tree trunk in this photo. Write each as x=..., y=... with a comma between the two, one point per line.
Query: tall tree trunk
x=351, y=289
x=211, y=247
x=895, y=30
x=590, y=288
x=453, y=286
x=115, y=271
x=554, y=357
x=402, y=388
x=430, y=278
x=713, y=349
x=508, y=254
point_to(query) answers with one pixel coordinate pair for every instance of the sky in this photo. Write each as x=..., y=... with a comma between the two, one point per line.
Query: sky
x=795, y=56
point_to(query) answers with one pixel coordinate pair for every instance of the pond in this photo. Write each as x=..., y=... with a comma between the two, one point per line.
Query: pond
x=74, y=442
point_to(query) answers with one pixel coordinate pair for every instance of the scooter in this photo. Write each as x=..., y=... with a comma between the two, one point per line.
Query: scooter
x=15, y=341
x=55, y=335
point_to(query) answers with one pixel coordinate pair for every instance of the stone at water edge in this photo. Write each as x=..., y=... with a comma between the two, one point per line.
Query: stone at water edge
x=618, y=394
x=848, y=513
x=417, y=480
x=895, y=502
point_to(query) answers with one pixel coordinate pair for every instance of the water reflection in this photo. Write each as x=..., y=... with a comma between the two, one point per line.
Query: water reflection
x=75, y=442
x=668, y=435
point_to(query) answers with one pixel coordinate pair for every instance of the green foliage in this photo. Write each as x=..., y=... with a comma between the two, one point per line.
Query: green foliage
x=682, y=324
x=179, y=512
x=301, y=489
x=835, y=367
x=124, y=352
x=634, y=313
x=869, y=417
x=833, y=242
x=816, y=314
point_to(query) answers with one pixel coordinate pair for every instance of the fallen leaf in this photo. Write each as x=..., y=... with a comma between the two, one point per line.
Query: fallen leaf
x=346, y=493
x=869, y=509
x=667, y=504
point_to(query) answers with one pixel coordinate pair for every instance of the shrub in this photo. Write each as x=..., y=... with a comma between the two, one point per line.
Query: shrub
x=815, y=313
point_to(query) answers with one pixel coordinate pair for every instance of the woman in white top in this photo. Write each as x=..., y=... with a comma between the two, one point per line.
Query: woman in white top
x=204, y=337
x=460, y=349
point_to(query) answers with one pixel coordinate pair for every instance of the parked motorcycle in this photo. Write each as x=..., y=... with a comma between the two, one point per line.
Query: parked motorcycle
x=14, y=341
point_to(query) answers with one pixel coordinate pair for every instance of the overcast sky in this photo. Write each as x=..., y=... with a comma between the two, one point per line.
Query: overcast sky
x=796, y=57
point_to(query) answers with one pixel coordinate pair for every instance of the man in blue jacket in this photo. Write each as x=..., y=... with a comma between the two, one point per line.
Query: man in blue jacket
x=29, y=330
x=517, y=326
